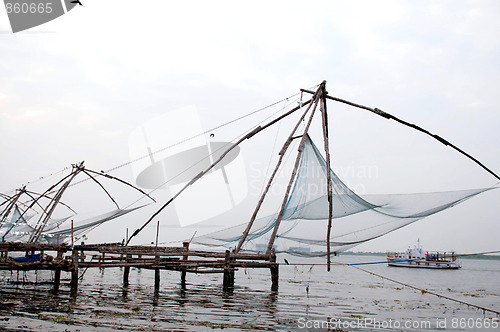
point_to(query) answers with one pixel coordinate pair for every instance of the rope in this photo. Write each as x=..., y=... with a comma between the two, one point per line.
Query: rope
x=188, y=139
x=479, y=253
x=201, y=134
x=411, y=125
x=222, y=148
x=422, y=290
x=46, y=177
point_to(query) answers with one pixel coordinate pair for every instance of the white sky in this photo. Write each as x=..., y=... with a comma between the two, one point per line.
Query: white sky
x=75, y=88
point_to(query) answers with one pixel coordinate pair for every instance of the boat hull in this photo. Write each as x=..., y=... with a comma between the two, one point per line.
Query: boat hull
x=422, y=264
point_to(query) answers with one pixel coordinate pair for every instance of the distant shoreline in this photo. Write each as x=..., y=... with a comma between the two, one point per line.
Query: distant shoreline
x=357, y=253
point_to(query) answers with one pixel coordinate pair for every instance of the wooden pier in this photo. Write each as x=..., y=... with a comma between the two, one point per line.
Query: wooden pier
x=63, y=257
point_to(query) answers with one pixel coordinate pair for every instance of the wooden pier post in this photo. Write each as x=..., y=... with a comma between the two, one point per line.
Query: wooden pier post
x=274, y=271
x=228, y=280
x=126, y=272
x=74, y=272
x=57, y=280
x=57, y=273
x=183, y=273
x=74, y=280
x=157, y=280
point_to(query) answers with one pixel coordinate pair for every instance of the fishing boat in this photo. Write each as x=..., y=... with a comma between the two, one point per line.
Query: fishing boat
x=419, y=258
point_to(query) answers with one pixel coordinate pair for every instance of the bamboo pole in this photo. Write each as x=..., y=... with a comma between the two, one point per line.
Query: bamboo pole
x=324, y=122
x=411, y=125
x=42, y=223
x=292, y=178
x=271, y=179
x=197, y=177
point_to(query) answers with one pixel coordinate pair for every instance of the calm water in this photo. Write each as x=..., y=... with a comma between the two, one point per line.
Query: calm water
x=308, y=296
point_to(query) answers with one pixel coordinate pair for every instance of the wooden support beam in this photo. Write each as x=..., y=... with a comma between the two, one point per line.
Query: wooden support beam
x=292, y=178
x=324, y=122
x=411, y=125
x=222, y=156
x=282, y=152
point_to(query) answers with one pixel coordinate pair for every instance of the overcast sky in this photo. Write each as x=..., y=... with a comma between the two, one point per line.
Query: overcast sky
x=76, y=88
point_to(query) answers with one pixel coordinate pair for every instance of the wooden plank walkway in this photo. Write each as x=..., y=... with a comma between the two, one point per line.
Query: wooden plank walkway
x=63, y=257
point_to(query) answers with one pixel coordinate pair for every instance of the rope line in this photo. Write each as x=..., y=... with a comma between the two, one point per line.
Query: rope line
x=213, y=152
x=201, y=134
x=190, y=138
x=422, y=290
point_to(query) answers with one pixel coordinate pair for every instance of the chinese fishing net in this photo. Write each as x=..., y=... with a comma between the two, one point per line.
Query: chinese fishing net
x=356, y=219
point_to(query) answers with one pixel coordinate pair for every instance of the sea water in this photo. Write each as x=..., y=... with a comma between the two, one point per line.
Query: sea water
x=308, y=298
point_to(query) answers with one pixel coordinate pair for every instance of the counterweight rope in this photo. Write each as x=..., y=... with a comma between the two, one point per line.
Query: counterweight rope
x=422, y=290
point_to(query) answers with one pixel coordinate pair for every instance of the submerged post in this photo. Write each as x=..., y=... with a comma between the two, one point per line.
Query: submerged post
x=157, y=260
x=157, y=280
x=183, y=269
x=126, y=272
x=74, y=273
x=57, y=280
x=57, y=273
x=274, y=271
x=228, y=280
x=74, y=280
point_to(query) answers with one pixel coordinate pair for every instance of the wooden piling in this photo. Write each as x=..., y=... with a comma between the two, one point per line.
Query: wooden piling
x=115, y=255
x=274, y=271
x=74, y=280
x=126, y=272
x=157, y=280
x=183, y=271
x=228, y=280
x=74, y=272
x=57, y=274
x=57, y=280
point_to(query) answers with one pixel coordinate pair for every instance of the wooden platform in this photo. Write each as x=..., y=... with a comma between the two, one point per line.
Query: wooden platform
x=62, y=257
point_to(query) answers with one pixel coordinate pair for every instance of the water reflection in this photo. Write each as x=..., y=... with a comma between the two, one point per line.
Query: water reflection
x=103, y=302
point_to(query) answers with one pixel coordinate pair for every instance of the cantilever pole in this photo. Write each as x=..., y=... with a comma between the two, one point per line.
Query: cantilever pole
x=271, y=179
x=197, y=177
x=42, y=223
x=294, y=172
x=324, y=122
x=411, y=125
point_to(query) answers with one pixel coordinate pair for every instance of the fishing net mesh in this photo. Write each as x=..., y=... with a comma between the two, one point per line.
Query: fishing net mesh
x=356, y=218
